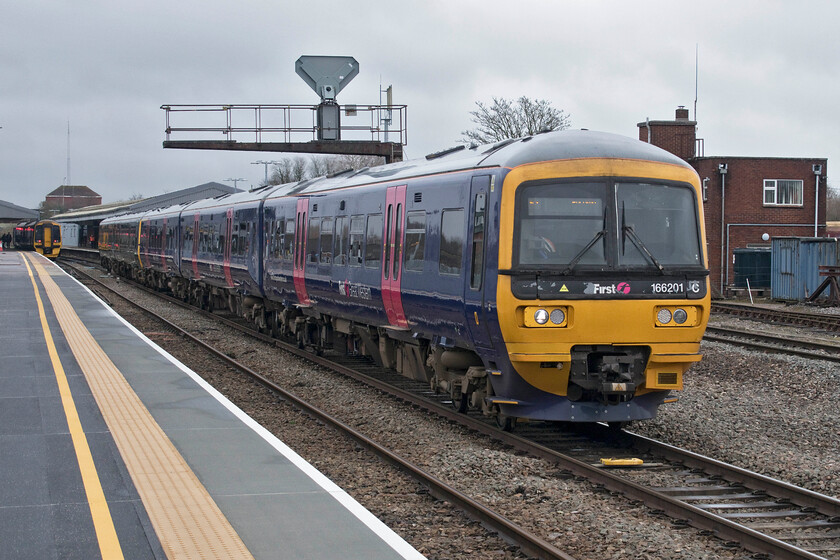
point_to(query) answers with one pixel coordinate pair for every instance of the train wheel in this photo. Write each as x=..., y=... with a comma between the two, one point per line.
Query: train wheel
x=460, y=401
x=506, y=423
x=616, y=427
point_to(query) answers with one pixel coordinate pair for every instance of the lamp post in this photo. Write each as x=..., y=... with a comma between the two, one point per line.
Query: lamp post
x=266, y=163
x=234, y=182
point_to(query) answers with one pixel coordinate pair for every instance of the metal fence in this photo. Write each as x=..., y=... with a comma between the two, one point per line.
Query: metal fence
x=283, y=123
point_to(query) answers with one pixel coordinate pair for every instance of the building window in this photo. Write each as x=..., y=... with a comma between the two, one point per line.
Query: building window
x=783, y=192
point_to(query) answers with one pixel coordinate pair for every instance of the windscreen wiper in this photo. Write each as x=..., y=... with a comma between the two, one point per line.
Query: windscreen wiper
x=583, y=251
x=629, y=232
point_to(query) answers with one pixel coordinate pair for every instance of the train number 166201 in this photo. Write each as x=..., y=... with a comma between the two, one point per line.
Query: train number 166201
x=668, y=287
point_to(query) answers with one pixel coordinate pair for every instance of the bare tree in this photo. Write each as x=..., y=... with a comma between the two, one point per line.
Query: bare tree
x=289, y=170
x=292, y=169
x=832, y=204
x=513, y=119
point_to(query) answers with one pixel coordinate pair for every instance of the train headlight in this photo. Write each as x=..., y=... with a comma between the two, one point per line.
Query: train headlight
x=663, y=316
x=673, y=316
x=545, y=317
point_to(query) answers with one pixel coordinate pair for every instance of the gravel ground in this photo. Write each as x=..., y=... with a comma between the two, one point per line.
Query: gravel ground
x=766, y=413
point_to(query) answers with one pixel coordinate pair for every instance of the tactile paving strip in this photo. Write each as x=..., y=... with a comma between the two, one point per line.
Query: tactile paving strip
x=187, y=521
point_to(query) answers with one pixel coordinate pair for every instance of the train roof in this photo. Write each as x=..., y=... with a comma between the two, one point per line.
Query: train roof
x=548, y=146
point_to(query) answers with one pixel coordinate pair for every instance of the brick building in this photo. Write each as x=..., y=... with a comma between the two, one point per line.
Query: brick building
x=69, y=197
x=745, y=197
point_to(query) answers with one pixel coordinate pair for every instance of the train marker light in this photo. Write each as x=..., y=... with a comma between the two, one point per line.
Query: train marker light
x=557, y=316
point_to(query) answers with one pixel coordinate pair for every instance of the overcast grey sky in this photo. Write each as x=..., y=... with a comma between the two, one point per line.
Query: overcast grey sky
x=769, y=75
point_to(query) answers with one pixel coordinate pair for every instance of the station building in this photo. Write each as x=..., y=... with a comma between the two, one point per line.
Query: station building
x=86, y=220
x=12, y=214
x=745, y=197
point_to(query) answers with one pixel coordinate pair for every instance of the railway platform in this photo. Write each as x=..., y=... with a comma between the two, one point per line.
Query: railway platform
x=110, y=448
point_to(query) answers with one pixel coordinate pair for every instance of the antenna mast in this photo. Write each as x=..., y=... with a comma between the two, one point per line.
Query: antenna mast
x=696, y=73
x=68, y=155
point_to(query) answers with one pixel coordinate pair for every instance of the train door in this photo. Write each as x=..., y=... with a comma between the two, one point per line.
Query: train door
x=195, y=238
x=46, y=238
x=300, y=250
x=474, y=284
x=142, y=242
x=392, y=255
x=226, y=249
x=162, y=248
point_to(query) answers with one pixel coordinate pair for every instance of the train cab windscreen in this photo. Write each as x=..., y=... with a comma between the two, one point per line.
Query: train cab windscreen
x=565, y=226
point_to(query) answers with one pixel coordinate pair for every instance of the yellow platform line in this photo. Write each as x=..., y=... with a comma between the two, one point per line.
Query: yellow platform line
x=187, y=521
x=103, y=524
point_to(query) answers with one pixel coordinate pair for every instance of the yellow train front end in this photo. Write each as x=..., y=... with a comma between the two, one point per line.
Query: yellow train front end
x=602, y=295
x=47, y=239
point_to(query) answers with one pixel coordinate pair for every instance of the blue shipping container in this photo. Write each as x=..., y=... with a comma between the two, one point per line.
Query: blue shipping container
x=795, y=265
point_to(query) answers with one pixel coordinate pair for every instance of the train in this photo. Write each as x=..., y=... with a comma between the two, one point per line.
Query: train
x=556, y=277
x=43, y=236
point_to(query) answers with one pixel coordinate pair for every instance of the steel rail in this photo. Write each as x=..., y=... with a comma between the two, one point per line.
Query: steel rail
x=800, y=496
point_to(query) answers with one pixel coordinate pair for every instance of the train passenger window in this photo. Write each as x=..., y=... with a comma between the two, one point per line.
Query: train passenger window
x=312, y=241
x=202, y=238
x=451, y=241
x=288, y=247
x=415, y=240
x=373, y=241
x=268, y=235
x=342, y=232
x=234, y=239
x=244, y=237
x=327, y=225
x=276, y=232
x=357, y=237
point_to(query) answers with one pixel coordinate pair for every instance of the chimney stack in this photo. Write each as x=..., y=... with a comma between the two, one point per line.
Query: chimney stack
x=678, y=136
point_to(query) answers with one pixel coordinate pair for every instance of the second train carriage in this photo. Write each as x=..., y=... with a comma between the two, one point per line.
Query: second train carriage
x=557, y=277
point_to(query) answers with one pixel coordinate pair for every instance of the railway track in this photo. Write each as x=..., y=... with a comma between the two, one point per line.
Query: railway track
x=776, y=344
x=779, y=316
x=763, y=515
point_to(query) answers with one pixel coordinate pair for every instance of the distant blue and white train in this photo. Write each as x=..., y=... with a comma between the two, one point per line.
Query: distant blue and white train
x=561, y=276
